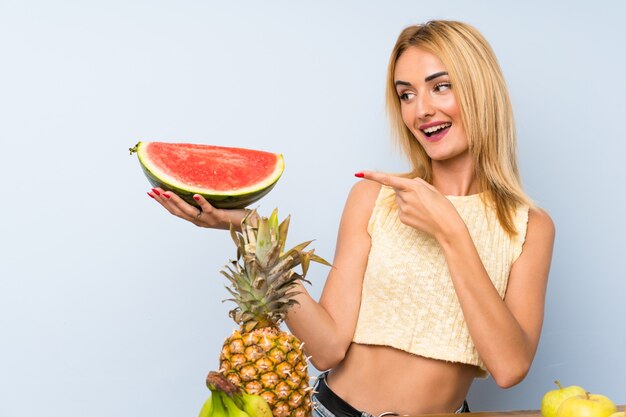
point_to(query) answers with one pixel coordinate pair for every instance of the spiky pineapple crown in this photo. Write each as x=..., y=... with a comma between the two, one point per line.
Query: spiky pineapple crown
x=263, y=277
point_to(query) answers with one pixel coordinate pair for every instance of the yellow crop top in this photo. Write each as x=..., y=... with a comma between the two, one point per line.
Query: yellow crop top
x=408, y=300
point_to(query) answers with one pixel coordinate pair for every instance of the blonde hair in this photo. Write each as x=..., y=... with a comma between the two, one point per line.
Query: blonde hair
x=486, y=113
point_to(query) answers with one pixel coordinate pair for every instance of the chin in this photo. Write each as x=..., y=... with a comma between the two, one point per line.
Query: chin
x=448, y=156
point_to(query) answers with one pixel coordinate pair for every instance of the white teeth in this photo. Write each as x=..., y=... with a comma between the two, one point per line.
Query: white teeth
x=436, y=128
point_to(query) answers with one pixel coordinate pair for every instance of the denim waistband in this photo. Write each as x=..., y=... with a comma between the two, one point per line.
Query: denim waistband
x=340, y=408
x=334, y=403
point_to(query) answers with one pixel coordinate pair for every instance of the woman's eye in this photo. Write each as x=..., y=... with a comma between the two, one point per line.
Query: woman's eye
x=443, y=86
x=405, y=96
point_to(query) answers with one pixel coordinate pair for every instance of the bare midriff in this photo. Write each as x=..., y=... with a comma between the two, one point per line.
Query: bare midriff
x=380, y=379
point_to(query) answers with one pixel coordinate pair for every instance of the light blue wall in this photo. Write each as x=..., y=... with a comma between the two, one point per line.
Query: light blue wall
x=110, y=307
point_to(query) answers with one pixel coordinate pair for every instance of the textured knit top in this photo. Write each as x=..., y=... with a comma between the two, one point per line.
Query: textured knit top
x=408, y=300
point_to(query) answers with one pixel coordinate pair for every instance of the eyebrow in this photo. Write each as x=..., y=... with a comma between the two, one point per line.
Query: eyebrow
x=435, y=75
x=429, y=78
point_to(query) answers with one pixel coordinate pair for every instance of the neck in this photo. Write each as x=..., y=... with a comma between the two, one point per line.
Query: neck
x=452, y=178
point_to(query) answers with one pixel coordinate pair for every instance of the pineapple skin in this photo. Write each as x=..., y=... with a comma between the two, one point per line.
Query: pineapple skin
x=270, y=363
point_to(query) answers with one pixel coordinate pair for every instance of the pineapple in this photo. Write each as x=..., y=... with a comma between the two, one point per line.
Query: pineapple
x=259, y=357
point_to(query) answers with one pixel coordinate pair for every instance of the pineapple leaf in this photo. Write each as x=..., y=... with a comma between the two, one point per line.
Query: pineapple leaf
x=306, y=259
x=240, y=279
x=250, y=214
x=286, y=285
x=259, y=282
x=263, y=240
x=286, y=279
x=252, y=271
x=238, y=240
x=279, y=269
x=230, y=277
x=300, y=247
x=282, y=233
x=246, y=316
x=272, y=256
x=320, y=260
x=292, y=294
x=241, y=247
x=273, y=224
x=248, y=249
x=275, y=307
x=236, y=278
x=233, y=235
x=250, y=325
x=235, y=314
x=287, y=261
x=233, y=293
x=250, y=237
x=246, y=294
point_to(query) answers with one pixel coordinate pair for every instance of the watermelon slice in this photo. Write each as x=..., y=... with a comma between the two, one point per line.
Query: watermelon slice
x=226, y=177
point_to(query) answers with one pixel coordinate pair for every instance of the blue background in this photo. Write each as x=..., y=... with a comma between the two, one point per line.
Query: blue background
x=111, y=307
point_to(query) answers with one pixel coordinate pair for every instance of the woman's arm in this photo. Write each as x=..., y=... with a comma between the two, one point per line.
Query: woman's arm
x=327, y=327
x=505, y=332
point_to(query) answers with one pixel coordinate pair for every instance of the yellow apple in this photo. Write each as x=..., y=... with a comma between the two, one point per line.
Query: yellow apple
x=588, y=405
x=553, y=399
x=619, y=414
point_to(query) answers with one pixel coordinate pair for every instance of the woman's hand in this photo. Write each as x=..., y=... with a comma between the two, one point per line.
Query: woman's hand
x=205, y=216
x=420, y=205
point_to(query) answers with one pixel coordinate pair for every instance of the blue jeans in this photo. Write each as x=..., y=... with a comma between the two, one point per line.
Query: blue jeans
x=320, y=411
x=344, y=409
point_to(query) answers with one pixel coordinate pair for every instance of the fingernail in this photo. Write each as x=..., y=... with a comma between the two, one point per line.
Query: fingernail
x=166, y=195
x=150, y=195
x=154, y=190
x=197, y=198
x=359, y=175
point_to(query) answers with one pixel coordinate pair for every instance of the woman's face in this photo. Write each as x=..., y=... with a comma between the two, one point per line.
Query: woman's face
x=429, y=108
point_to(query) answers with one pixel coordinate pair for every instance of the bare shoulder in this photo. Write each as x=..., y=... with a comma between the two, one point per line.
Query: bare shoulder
x=540, y=225
x=361, y=200
x=365, y=191
x=538, y=246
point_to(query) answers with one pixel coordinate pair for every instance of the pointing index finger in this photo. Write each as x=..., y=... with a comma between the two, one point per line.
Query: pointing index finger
x=392, y=181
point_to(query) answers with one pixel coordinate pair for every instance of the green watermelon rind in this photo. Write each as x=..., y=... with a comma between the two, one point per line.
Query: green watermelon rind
x=233, y=200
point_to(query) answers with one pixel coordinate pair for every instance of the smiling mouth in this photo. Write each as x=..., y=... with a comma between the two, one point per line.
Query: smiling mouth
x=433, y=130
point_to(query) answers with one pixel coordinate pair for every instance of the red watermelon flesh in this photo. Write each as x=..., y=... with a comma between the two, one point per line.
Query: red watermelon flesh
x=226, y=177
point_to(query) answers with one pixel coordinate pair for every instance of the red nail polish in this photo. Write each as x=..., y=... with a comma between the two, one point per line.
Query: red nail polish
x=197, y=198
x=150, y=195
x=359, y=175
x=154, y=190
x=166, y=196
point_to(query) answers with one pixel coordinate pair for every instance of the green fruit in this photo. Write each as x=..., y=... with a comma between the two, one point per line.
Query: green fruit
x=219, y=410
x=226, y=177
x=231, y=407
x=207, y=408
x=553, y=399
x=255, y=405
x=587, y=405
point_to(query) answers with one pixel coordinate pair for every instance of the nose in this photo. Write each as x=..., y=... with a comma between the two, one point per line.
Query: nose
x=424, y=107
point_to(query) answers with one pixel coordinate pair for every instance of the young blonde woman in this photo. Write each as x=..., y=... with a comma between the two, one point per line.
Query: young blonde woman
x=439, y=275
